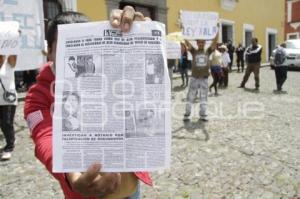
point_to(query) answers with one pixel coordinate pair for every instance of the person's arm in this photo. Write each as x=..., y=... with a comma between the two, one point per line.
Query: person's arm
x=189, y=46
x=214, y=41
x=37, y=112
x=12, y=60
x=257, y=50
x=38, y=116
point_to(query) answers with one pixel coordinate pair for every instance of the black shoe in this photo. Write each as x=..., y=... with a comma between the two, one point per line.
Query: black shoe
x=283, y=92
x=203, y=119
x=241, y=86
x=186, y=117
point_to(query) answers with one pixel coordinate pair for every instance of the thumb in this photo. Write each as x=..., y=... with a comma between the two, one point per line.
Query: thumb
x=89, y=176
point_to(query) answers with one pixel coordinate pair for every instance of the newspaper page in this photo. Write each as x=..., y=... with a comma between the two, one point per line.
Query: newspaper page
x=112, y=98
x=199, y=25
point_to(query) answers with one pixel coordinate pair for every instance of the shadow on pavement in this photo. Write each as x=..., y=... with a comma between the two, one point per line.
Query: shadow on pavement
x=251, y=90
x=192, y=127
x=179, y=88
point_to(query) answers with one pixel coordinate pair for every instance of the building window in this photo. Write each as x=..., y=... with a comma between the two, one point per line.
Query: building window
x=51, y=9
x=148, y=11
x=271, y=40
x=228, y=4
x=248, y=37
x=227, y=31
x=294, y=35
x=248, y=34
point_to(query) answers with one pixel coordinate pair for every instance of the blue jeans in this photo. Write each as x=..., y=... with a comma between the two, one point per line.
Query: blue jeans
x=137, y=194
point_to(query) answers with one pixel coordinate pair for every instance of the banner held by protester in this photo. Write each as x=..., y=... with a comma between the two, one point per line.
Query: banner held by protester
x=9, y=38
x=173, y=50
x=30, y=16
x=199, y=25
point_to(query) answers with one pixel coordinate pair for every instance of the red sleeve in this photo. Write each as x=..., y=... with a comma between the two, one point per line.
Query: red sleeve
x=39, y=100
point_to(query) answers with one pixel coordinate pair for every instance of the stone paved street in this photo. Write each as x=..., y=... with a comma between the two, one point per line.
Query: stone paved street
x=250, y=149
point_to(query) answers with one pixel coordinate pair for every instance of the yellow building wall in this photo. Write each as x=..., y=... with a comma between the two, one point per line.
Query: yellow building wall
x=262, y=14
x=96, y=10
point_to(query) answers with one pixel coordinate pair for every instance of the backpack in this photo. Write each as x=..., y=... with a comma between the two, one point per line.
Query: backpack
x=279, y=57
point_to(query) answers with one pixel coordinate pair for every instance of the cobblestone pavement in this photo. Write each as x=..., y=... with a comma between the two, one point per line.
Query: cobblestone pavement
x=250, y=149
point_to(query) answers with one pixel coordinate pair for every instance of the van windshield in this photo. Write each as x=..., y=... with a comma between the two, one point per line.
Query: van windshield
x=293, y=44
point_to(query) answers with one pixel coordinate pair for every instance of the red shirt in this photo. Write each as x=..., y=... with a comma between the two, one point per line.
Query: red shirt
x=38, y=113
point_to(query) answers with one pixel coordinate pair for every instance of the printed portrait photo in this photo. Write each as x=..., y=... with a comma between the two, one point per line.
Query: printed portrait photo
x=154, y=68
x=71, y=112
x=144, y=123
x=81, y=65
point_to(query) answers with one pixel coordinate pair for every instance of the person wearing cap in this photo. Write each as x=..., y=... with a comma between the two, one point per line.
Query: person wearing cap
x=225, y=63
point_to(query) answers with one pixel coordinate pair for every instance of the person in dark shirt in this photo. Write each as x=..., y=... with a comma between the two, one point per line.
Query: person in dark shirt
x=183, y=65
x=240, y=50
x=253, y=60
x=230, y=48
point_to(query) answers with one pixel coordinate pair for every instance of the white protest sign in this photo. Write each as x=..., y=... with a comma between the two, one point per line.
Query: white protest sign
x=199, y=25
x=30, y=16
x=173, y=50
x=9, y=38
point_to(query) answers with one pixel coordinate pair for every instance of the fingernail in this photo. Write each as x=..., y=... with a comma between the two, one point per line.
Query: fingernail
x=96, y=166
x=116, y=22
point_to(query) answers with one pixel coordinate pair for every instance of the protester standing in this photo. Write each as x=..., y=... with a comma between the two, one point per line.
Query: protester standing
x=8, y=103
x=230, y=48
x=280, y=63
x=199, y=78
x=253, y=60
x=240, y=50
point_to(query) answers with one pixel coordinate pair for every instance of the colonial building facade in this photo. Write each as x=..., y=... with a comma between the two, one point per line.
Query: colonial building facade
x=240, y=20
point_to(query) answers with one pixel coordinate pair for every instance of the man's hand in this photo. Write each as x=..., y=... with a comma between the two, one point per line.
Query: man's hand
x=91, y=183
x=12, y=60
x=123, y=18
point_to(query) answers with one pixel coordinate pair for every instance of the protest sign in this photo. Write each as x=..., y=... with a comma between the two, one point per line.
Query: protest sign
x=173, y=50
x=9, y=38
x=199, y=25
x=30, y=16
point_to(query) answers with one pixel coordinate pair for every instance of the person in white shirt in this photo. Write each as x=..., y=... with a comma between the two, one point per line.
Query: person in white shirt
x=8, y=103
x=225, y=64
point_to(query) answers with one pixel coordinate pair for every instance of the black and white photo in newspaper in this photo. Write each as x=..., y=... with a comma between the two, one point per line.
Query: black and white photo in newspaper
x=112, y=98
